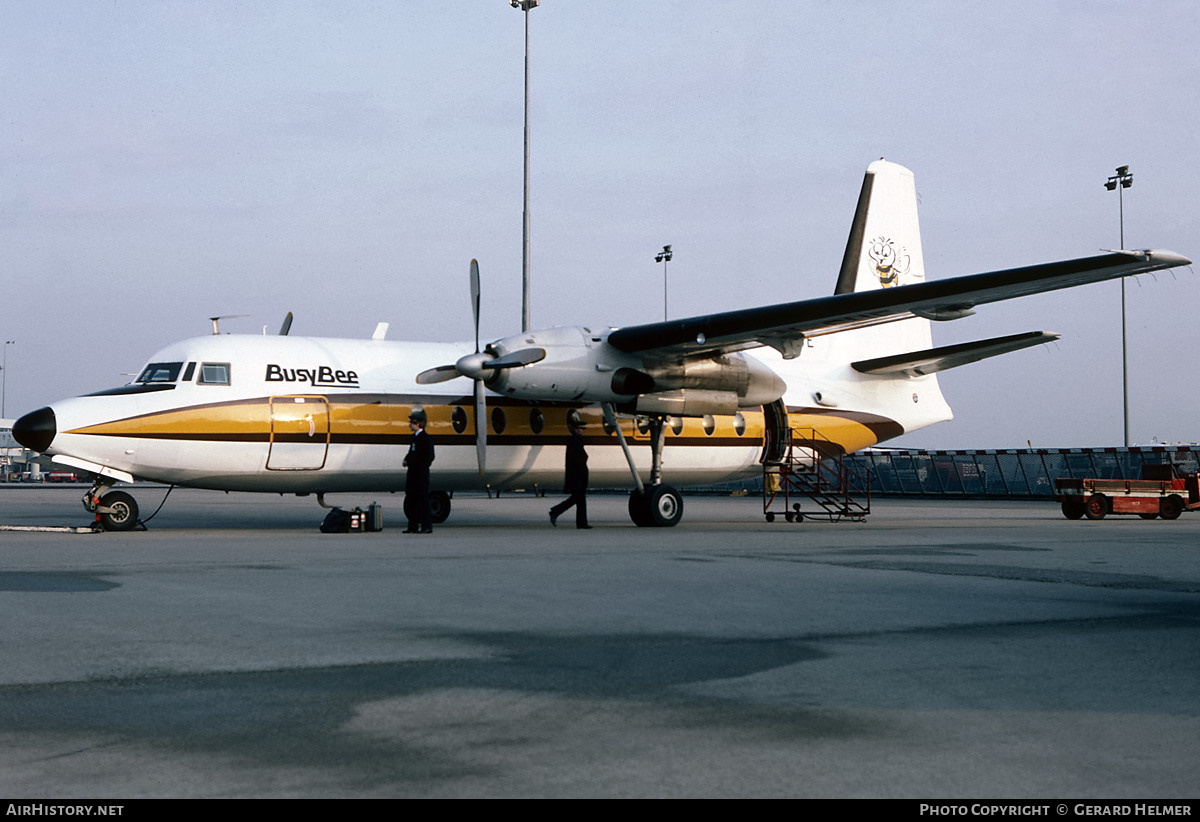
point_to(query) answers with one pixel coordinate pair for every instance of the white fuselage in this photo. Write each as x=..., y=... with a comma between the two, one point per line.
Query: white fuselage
x=300, y=415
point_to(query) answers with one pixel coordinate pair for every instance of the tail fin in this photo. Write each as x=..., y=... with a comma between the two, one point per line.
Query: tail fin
x=885, y=370
x=884, y=251
x=884, y=248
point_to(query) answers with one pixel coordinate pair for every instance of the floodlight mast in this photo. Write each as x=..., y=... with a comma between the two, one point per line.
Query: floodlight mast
x=4, y=377
x=1120, y=181
x=664, y=257
x=525, y=6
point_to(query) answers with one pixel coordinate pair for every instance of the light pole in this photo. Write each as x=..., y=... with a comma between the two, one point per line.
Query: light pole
x=4, y=380
x=1120, y=181
x=525, y=6
x=664, y=257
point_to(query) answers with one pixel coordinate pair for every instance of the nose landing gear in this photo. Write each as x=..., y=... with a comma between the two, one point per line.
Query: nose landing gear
x=114, y=510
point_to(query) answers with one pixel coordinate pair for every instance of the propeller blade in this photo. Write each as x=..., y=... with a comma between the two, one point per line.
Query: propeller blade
x=515, y=359
x=480, y=427
x=287, y=325
x=475, y=292
x=439, y=374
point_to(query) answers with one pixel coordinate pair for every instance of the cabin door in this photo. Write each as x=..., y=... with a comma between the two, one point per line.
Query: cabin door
x=299, y=433
x=775, y=432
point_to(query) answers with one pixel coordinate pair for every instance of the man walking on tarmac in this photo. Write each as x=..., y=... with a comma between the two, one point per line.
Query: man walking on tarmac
x=575, y=481
x=416, y=481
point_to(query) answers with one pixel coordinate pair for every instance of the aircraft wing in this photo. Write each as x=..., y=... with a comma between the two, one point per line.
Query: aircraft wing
x=785, y=326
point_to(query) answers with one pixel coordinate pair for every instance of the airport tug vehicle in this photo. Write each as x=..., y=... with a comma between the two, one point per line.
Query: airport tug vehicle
x=1159, y=493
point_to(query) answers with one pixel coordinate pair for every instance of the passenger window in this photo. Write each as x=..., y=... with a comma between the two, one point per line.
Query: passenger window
x=214, y=373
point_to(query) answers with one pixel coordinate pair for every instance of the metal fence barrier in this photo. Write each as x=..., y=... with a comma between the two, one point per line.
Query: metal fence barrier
x=1027, y=473
x=1009, y=473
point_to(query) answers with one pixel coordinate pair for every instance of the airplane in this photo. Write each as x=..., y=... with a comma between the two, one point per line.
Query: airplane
x=725, y=391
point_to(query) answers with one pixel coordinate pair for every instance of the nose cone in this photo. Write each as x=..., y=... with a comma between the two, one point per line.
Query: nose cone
x=36, y=429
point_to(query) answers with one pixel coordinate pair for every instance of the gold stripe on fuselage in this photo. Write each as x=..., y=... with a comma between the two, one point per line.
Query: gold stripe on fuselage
x=851, y=432
x=383, y=419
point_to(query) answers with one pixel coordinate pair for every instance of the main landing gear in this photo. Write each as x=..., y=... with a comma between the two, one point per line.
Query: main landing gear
x=439, y=507
x=655, y=505
x=114, y=510
x=658, y=506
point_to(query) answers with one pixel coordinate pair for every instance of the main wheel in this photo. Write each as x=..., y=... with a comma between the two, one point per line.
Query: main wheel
x=639, y=511
x=665, y=506
x=1170, y=507
x=1096, y=506
x=439, y=506
x=124, y=513
x=1073, y=509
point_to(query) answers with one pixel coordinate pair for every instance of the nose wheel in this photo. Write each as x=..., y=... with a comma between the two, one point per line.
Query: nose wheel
x=114, y=510
x=118, y=511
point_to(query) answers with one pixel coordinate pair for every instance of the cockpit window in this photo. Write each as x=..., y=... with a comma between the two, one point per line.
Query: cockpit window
x=160, y=372
x=214, y=373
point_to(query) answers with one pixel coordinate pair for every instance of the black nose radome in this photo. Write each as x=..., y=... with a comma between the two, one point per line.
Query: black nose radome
x=36, y=429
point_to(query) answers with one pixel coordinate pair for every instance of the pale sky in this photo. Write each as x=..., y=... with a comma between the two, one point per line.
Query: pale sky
x=162, y=162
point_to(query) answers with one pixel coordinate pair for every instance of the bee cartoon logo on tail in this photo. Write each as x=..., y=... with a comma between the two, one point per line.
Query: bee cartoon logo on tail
x=890, y=263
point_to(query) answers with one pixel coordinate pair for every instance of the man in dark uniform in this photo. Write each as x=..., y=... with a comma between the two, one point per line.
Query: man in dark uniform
x=575, y=481
x=416, y=481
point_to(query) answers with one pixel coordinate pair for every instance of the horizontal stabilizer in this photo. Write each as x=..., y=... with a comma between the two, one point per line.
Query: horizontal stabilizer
x=932, y=360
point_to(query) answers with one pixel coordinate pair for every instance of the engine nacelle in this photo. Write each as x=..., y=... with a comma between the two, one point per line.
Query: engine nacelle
x=688, y=402
x=580, y=366
x=752, y=383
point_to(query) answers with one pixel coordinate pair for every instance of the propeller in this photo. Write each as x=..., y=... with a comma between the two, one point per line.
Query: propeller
x=480, y=398
x=480, y=368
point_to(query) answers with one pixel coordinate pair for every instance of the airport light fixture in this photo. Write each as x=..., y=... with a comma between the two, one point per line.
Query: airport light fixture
x=4, y=380
x=664, y=257
x=1120, y=181
x=525, y=6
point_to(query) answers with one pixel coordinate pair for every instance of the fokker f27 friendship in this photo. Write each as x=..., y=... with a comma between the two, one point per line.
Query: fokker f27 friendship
x=698, y=400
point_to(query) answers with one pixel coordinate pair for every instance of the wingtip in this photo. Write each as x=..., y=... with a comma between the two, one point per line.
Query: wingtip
x=1169, y=257
x=1166, y=259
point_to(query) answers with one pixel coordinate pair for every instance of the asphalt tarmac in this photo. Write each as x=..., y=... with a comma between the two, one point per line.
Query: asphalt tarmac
x=941, y=649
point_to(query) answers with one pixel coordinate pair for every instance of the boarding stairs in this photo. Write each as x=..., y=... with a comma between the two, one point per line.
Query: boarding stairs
x=813, y=467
